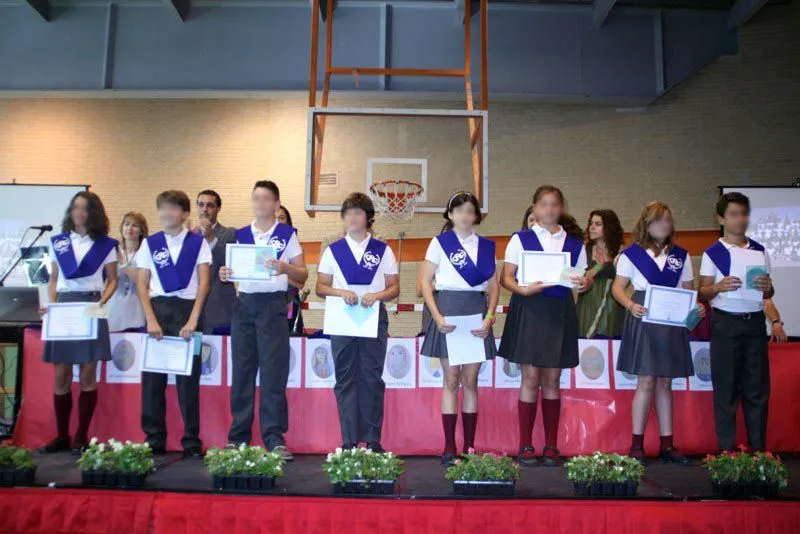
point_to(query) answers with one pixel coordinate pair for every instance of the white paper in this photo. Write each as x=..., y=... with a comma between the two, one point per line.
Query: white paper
x=126, y=351
x=295, y=362
x=701, y=357
x=249, y=262
x=668, y=305
x=431, y=374
x=354, y=321
x=462, y=346
x=170, y=355
x=68, y=321
x=76, y=373
x=622, y=380
x=592, y=373
x=741, y=258
x=545, y=267
x=486, y=374
x=507, y=375
x=211, y=361
x=400, y=370
x=320, y=371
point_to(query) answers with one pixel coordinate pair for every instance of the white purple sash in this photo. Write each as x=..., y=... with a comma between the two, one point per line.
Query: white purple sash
x=279, y=239
x=358, y=274
x=721, y=256
x=91, y=262
x=530, y=241
x=175, y=276
x=670, y=276
x=472, y=274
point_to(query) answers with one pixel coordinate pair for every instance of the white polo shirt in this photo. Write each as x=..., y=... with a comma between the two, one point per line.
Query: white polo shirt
x=80, y=247
x=550, y=243
x=280, y=282
x=722, y=301
x=447, y=277
x=144, y=260
x=626, y=268
x=387, y=266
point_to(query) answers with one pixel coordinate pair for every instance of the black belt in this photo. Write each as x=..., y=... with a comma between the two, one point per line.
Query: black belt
x=734, y=315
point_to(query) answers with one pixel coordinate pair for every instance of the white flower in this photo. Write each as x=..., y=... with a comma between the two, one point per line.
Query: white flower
x=242, y=447
x=102, y=447
x=93, y=441
x=369, y=452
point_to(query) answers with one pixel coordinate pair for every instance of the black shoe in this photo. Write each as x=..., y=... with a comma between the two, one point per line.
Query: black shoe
x=348, y=446
x=672, y=456
x=527, y=457
x=448, y=459
x=376, y=447
x=77, y=448
x=55, y=445
x=550, y=457
x=637, y=453
x=193, y=453
x=158, y=451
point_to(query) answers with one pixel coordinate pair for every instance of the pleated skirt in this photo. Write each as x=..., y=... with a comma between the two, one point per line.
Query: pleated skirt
x=454, y=303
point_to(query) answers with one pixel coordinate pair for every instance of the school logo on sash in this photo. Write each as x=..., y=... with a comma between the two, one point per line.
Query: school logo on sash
x=91, y=262
x=354, y=272
x=61, y=245
x=371, y=260
x=277, y=243
x=459, y=259
x=161, y=257
x=674, y=264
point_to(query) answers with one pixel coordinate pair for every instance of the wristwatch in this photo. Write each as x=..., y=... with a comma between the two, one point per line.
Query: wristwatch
x=777, y=321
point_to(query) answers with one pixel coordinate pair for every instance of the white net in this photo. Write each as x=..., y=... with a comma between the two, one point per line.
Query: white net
x=395, y=199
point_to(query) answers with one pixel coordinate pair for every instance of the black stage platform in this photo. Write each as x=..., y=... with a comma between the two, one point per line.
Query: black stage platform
x=423, y=479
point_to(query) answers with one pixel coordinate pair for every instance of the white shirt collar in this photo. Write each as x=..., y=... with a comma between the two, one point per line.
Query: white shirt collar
x=256, y=231
x=469, y=239
x=729, y=246
x=75, y=236
x=177, y=238
x=361, y=244
x=541, y=232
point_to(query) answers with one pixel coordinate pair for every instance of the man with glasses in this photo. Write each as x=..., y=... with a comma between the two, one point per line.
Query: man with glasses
x=219, y=305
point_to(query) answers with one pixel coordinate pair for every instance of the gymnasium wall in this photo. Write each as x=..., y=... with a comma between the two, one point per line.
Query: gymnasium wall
x=736, y=122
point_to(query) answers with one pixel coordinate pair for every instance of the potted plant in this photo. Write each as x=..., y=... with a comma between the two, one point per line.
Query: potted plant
x=244, y=468
x=609, y=475
x=484, y=474
x=115, y=463
x=742, y=475
x=17, y=467
x=360, y=470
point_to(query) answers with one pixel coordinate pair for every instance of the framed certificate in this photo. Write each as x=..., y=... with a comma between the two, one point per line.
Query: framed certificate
x=168, y=355
x=249, y=262
x=668, y=305
x=545, y=267
x=68, y=321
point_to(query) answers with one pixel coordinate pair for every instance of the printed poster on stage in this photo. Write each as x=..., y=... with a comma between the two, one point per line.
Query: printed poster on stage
x=621, y=380
x=486, y=374
x=701, y=357
x=506, y=374
x=319, y=364
x=126, y=353
x=431, y=374
x=76, y=373
x=211, y=361
x=400, y=370
x=592, y=371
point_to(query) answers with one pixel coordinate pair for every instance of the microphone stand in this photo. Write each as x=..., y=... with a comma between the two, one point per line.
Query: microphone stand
x=21, y=254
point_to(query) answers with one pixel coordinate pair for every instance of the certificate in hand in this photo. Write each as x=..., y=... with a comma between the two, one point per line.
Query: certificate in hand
x=169, y=355
x=544, y=267
x=462, y=346
x=249, y=262
x=342, y=319
x=742, y=261
x=668, y=305
x=68, y=321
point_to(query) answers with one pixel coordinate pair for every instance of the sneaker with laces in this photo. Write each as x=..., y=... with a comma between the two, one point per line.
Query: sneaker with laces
x=283, y=452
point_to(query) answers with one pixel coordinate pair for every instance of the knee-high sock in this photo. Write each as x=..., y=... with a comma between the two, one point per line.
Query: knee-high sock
x=527, y=417
x=470, y=426
x=86, y=403
x=63, y=408
x=449, y=421
x=551, y=412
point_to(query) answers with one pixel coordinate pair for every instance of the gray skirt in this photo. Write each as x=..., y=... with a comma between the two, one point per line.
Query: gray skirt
x=654, y=349
x=541, y=331
x=454, y=303
x=84, y=351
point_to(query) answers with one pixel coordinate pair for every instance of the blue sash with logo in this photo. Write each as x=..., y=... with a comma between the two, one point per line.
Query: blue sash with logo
x=530, y=241
x=358, y=274
x=279, y=239
x=721, y=256
x=472, y=274
x=65, y=255
x=174, y=276
x=670, y=276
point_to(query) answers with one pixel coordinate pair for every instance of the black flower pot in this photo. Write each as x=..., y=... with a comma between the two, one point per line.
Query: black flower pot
x=243, y=483
x=498, y=488
x=596, y=489
x=17, y=477
x=364, y=487
x=608, y=489
x=115, y=480
x=631, y=489
x=581, y=488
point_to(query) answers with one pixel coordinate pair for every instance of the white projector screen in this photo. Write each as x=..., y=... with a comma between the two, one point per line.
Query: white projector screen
x=775, y=223
x=24, y=206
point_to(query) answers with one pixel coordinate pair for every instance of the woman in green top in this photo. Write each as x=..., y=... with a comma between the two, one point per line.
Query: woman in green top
x=599, y=315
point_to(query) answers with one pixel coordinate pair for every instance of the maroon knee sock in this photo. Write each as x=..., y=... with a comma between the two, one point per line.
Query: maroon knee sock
x=470, y=426
x=449, y=421
x=551, y=413
x=527, y=417
x=63, y=407
x=638, y=441
x=86, y=403
x=666, y=443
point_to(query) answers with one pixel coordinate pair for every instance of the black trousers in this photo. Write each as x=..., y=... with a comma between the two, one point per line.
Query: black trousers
x=172, y=313
x=260, y=342
x=740, y=370
x=359, y=388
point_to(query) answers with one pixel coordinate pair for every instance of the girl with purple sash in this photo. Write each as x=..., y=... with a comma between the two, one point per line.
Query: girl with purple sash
x=655, y=353
x=462, y=263
x=361, y=270
x=541, y=330
x=84, y=270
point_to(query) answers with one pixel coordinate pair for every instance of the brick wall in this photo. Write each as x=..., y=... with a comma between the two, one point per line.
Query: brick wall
x=735, y=122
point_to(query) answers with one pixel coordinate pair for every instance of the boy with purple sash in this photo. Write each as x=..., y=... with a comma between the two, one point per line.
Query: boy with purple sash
x=259, y=330
x=739, y=357
x=361, y=270
x=174, y=280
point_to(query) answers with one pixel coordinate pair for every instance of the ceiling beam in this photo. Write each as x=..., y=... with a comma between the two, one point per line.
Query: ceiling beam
x=742, y=11
x=42, y=7
x=600, y=11
x=182, y=8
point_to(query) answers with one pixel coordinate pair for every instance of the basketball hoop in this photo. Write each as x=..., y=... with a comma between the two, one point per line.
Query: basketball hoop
x=395, y=199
